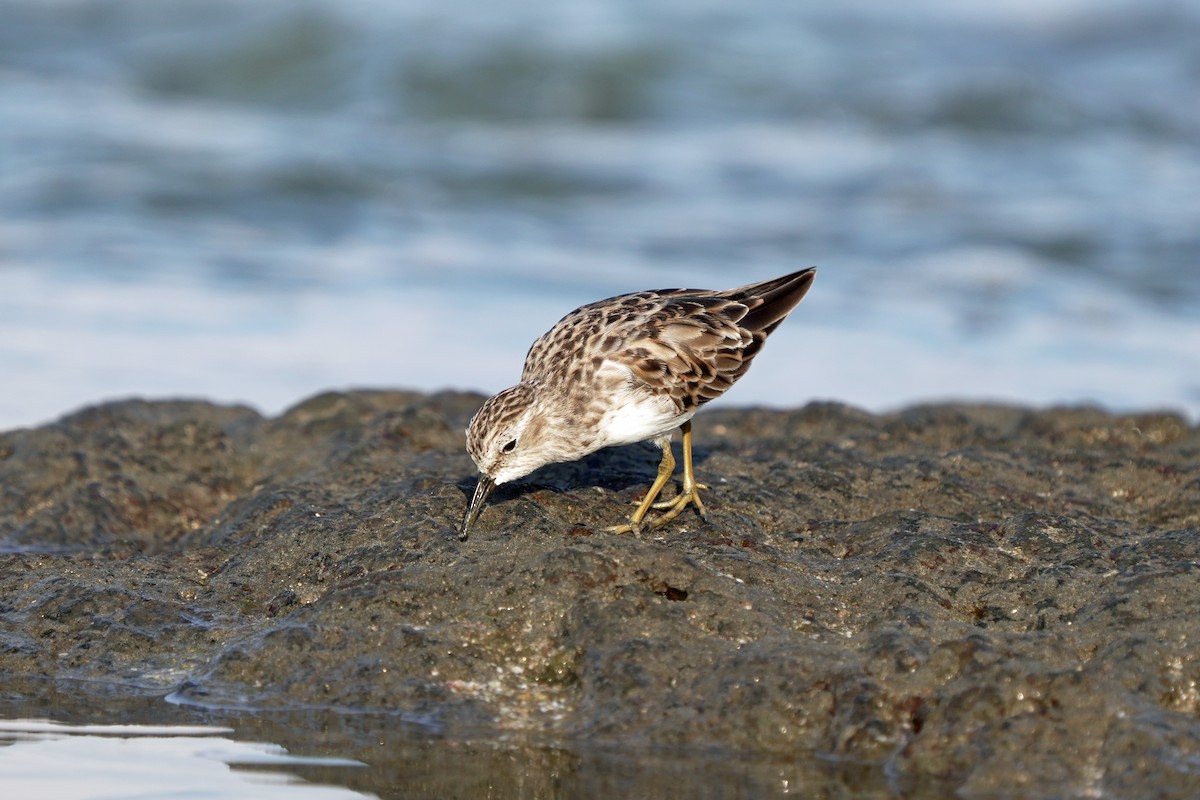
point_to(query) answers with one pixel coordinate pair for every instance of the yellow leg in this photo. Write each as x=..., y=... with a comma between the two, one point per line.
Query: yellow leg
x=691, y=489
x=665, y=468
x=674, y=507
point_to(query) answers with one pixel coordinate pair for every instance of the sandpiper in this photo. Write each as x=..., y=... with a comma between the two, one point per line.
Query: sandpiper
x=627, y=369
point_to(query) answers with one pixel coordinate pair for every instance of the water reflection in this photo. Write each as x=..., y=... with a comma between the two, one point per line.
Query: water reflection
x=149, y=749
x=55, y=761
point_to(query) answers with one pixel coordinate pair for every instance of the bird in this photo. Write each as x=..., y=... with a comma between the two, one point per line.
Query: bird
x=631, y=368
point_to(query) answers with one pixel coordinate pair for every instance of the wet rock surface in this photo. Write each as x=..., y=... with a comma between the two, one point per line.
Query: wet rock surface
x=999, y=599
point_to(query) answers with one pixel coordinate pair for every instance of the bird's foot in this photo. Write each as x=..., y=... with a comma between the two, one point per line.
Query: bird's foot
x=692, y=495
x=671, y=509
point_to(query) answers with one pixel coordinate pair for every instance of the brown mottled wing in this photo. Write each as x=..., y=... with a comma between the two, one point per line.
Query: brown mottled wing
x=693, y=345
x=688, y=347
x=690, y=344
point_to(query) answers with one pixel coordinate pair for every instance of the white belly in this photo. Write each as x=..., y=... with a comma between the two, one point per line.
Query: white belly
x=637, y=417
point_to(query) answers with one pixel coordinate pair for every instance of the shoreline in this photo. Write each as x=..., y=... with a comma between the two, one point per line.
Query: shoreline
x=927, y=590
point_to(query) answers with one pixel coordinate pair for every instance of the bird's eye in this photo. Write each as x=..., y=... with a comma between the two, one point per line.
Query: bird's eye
x=509, y=446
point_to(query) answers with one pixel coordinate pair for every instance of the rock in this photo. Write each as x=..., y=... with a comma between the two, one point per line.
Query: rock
x=995, y=598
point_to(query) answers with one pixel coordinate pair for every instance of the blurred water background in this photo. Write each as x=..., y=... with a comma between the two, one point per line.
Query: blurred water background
x=252, y=202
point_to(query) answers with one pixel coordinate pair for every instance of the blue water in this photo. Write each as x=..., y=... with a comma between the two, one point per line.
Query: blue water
x=254, y=202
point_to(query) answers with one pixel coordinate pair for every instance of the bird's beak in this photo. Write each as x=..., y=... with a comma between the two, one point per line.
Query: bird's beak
x=482, y=490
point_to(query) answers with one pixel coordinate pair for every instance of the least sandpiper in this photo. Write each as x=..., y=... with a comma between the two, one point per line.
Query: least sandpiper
x=624, y=370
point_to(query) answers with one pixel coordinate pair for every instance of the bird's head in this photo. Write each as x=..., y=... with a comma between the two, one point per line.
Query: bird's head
x=507, y=438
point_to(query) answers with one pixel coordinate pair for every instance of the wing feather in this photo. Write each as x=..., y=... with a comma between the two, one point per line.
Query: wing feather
x=690, y=345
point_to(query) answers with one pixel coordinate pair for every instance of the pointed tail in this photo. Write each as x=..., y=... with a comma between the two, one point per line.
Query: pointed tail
x=777, y=299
